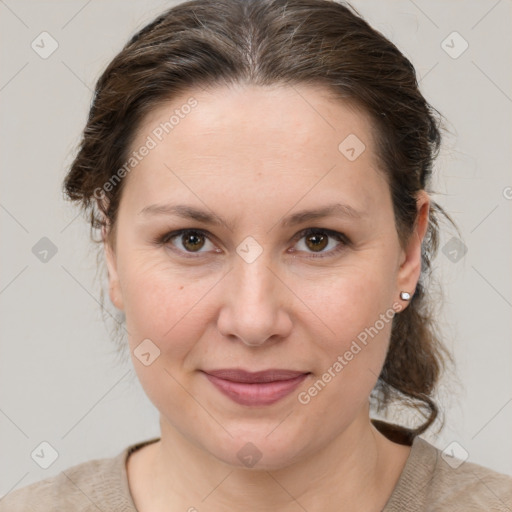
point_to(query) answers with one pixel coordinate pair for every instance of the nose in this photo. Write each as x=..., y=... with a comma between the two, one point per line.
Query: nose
x=255, y=305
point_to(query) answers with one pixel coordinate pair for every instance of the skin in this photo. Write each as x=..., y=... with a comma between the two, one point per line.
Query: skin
x=254, y=155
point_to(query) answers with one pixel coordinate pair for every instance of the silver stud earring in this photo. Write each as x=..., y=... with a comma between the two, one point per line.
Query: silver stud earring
x=405, y=295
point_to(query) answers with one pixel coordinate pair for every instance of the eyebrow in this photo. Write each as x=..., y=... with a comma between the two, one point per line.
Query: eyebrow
x=208, y=217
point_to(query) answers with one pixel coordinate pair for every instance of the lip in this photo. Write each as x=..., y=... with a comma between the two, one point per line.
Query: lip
x=255, y=388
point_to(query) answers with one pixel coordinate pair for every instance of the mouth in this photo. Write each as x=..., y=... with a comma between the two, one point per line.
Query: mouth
x=255, y=388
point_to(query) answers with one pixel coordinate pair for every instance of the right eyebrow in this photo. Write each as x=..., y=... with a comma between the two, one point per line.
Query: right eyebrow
x=185, y=212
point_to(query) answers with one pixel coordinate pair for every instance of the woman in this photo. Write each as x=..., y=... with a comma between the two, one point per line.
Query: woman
x=259, y=172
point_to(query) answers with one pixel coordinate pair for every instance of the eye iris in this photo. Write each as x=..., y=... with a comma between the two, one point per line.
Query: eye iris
x=319, y=241
x=192, y=241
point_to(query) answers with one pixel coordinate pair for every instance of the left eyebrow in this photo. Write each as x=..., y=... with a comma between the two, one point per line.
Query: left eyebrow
x=337, y=209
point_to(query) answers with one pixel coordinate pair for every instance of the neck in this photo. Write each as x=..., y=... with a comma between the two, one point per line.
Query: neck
x=358, y=468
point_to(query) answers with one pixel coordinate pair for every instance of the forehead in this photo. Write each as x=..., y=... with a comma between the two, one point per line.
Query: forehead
x=298, y=113
x=288, y=137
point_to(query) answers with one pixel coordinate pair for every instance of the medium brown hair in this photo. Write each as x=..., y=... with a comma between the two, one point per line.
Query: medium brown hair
x=267, y=42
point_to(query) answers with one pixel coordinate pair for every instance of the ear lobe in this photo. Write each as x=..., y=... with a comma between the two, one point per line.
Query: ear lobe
x=410, y=265
x=113, y=278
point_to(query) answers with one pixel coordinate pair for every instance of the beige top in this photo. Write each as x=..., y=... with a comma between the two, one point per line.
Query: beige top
x=428, y=483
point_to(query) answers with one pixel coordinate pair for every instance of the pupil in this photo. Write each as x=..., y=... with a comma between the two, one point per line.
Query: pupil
x=319, y=242
x=193, y=241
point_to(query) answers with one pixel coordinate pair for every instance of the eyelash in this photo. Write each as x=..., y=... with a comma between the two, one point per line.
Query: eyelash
x=340, y=237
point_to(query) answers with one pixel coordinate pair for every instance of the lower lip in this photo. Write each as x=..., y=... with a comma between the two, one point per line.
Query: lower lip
x=256, y=394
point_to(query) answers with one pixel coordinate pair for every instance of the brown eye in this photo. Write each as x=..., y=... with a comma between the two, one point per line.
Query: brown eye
x=317, y=241
x=192, y=241
x=320, y=243
x=188, y=242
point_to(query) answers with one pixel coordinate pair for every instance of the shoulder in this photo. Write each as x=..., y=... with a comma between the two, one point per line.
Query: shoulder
x=467, y=486
x=94, y=485
x=435, y=482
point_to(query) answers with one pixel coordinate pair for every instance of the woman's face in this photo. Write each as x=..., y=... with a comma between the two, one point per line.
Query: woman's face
x=249, y=170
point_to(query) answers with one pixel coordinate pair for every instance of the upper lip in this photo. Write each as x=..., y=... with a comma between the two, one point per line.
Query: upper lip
x=238, y=375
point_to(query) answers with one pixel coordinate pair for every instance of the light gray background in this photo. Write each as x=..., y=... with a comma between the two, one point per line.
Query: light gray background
x=60, y=381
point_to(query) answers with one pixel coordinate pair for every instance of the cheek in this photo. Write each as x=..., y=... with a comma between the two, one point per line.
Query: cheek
x=356, y=311
x=162, y=304
x=167, y=309
x=349, y=300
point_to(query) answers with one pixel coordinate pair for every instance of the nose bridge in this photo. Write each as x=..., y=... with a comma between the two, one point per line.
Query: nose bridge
x=254, y=284
x=253, y=308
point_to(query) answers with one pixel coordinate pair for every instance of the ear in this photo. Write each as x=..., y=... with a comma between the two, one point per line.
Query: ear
x=410, y=262
x=114, y=286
